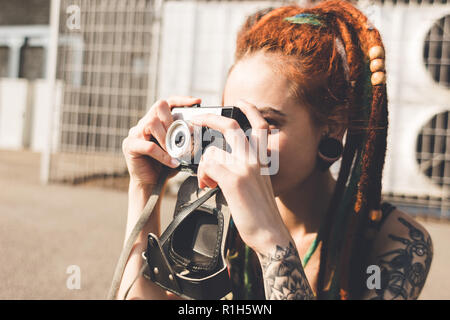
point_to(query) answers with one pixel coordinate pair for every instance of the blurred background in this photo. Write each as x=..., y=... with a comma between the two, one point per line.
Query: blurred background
x=75, y=75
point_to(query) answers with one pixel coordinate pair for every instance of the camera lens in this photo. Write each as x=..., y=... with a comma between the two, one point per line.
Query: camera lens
x=180, y=138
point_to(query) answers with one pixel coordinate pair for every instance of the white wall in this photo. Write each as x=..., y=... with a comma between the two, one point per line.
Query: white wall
x=13, y=112
x=24, y=114
x=197, y=51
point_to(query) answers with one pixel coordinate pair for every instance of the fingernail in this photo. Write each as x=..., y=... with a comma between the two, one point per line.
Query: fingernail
x=174, y=162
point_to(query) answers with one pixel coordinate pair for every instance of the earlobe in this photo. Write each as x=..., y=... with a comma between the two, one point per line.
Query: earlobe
x=329, y=151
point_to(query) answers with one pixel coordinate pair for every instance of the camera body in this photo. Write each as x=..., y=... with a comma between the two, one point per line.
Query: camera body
x=187, y=142
x=189, y=258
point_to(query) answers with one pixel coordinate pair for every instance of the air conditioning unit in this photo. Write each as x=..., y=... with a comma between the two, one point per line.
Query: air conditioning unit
x=417, y=168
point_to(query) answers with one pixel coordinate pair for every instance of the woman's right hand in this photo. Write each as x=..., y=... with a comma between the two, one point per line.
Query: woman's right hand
x=144, y=157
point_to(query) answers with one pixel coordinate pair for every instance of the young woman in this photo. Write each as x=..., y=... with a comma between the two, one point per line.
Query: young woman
x=317, y=76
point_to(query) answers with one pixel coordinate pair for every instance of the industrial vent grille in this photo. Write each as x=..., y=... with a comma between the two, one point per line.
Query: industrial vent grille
x=433, y=150
x=437, y=51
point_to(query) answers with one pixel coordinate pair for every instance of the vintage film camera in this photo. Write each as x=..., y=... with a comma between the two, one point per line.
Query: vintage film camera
x=189, y=257
x=186, y=142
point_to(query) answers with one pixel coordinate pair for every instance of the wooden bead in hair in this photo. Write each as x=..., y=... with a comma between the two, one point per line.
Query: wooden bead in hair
x=377, y=65
x=376, y=52
x=378, y=78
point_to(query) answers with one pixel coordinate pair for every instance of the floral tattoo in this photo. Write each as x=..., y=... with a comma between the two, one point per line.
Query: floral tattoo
x=284, y=278
x=404, y=270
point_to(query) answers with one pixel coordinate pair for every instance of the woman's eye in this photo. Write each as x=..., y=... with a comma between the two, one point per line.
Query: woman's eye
x=273, y=124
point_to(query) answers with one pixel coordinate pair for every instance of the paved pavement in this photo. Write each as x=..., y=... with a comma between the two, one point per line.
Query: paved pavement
x=46, y=229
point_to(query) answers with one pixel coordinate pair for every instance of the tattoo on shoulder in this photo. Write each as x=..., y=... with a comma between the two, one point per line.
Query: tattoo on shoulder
x=284, y=278
x=404, y=270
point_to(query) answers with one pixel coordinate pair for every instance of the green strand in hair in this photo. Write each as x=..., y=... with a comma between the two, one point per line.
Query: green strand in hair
x=247, y=271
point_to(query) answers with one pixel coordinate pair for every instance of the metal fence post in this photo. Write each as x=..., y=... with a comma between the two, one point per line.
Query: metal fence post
x=51, y=79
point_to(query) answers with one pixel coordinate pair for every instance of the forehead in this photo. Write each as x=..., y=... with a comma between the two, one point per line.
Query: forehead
x=255, y=79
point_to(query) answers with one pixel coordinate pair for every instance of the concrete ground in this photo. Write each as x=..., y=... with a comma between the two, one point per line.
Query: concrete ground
x=46, y=229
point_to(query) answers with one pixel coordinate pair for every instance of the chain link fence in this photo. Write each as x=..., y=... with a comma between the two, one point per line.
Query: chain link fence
x=104, y=63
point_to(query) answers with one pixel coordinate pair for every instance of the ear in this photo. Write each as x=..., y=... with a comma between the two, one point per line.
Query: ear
x=337, y=123
x=334, y=130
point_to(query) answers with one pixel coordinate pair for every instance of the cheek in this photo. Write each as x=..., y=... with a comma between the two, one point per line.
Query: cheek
x=297, y=159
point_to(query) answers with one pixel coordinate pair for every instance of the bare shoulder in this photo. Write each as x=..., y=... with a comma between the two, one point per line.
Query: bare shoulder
x=401, y=224
x=403, y=251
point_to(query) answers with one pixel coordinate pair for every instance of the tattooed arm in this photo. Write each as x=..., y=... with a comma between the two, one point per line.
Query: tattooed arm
x=284, y=277
x=403, y=252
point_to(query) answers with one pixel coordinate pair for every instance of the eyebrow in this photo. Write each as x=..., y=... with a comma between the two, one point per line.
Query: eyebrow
x=270, y=110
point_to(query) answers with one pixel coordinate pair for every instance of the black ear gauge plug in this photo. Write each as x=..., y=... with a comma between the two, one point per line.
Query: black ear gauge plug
x=329, y=151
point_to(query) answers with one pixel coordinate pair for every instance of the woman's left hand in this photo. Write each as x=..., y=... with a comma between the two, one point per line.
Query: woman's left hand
x=248, y=193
